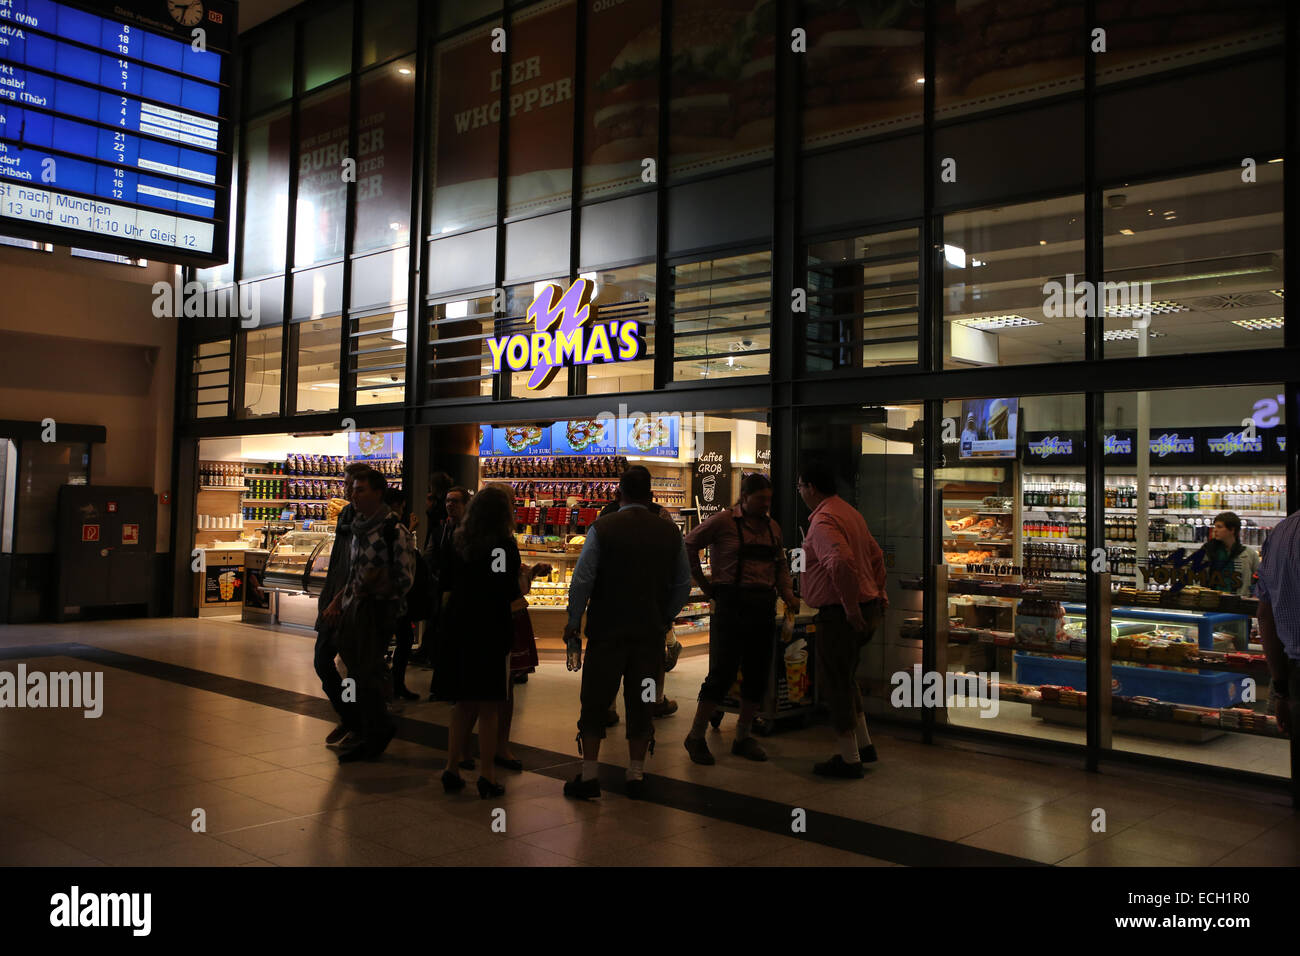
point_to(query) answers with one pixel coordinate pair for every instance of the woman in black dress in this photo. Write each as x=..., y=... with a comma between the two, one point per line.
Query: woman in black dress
x=483, y=578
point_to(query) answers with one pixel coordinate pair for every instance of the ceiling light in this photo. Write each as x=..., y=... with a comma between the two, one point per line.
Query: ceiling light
x=1279, y=293
x=989, y=322
x=1126, y=232
x=1259, y=325
x=1155, y=307
x=955, y=255
x=404, y=70
x=976, y=263
x=1278, y=160
x=1113, y=335
x=1042, y=242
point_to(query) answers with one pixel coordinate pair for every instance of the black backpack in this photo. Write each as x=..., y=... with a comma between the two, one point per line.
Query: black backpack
x=419, y=600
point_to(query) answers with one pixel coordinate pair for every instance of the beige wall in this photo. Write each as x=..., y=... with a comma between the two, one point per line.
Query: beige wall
x=79, y=343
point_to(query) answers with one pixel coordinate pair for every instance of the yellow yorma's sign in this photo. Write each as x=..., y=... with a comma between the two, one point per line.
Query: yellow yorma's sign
x=564, y=335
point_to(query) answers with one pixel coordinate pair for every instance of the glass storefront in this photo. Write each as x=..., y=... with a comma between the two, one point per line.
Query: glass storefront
x=974, y=347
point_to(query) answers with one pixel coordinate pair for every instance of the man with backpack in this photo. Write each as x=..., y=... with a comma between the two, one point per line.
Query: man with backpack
x=380, y=573
x=348, y=731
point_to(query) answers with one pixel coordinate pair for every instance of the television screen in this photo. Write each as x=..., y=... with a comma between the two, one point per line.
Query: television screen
x=988, y=427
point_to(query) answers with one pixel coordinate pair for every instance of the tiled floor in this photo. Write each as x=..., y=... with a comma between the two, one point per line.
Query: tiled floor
x=210, y=753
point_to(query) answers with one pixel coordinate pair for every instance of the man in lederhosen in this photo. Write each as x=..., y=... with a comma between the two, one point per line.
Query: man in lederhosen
x=748, y=571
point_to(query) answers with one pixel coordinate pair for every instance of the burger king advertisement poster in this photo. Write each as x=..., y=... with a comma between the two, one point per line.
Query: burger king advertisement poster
x=723, y=84
x=465, y=128
x=864, y=60
x=539, y=106
x=621, y=127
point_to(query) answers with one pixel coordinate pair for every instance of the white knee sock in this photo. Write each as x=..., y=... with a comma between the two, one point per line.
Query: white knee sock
x=848, y=748
x=860, y=731
x=589, y=769
x=635, y=769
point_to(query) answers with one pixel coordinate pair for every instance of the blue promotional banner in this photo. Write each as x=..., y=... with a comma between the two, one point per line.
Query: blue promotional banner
x=364, y=446
x=530, y=439
x=587, y=436
x=653, y=436
x=484, y=441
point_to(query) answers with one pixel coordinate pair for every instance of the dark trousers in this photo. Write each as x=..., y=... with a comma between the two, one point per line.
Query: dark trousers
x=612, y=659
x=740, y=638
x=330, y=680
x=837, y=651
x=363, y=640
x=1293, y=702
x=405, y=637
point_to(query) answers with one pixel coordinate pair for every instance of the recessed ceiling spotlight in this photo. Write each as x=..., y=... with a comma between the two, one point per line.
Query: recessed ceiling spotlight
x=1156, y=307
x=1260, y=325
x=1113, y=335
x=990, y=322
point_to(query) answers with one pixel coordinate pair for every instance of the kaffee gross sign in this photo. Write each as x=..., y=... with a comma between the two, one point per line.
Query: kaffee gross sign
x=563, y=335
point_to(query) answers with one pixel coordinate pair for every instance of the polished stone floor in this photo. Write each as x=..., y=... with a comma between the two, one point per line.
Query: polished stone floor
x=224, y=722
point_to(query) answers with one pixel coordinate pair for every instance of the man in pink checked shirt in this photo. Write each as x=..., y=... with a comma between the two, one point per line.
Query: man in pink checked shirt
x=844, y=578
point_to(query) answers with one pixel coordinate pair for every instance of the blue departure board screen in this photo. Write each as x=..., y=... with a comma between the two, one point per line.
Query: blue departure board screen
x=115, y=125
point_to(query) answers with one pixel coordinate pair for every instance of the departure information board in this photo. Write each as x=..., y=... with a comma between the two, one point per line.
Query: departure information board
x=115, y=125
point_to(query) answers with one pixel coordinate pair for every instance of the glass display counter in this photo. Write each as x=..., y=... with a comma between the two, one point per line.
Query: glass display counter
x=290, y=568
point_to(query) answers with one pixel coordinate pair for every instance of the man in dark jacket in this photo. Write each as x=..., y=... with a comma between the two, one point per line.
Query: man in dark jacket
x=381, y=569
x=438, y=548
x=663, y=707
x=632, y=579
x=327, y=648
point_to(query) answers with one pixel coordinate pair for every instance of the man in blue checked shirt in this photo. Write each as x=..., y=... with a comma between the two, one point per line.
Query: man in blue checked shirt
x=1278, y=590
x=632, y=580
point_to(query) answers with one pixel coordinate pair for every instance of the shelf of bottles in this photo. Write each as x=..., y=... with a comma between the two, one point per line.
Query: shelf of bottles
x=1181, y=510
x=221, y=475
x=1260, y=495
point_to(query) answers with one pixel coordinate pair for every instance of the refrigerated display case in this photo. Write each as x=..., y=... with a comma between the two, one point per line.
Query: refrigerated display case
x=1156, y=653
x=290, y=568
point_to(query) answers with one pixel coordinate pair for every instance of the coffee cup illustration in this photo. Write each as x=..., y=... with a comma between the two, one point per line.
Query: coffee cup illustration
x=710, y=487
x=796, y=671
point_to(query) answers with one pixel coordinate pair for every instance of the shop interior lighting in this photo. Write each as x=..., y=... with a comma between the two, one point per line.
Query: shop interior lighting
x=1126, y=232
x=1259, y=325
x=990, y=322
x=955, y=255
x=1115, y=335
x=1156, y=307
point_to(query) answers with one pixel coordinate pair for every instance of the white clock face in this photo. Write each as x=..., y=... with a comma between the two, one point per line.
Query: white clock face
x=186, y=13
